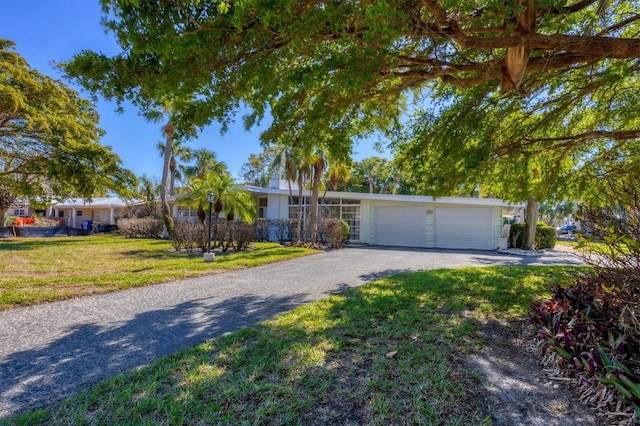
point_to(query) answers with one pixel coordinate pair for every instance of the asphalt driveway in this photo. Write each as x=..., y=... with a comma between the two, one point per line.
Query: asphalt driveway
x=51, y=351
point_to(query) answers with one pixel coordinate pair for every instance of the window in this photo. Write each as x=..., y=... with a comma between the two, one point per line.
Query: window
x=351, y=215
x=79, y=213
x=18, y=212
x=333, y=208
x=262, y=207
x=186, y=212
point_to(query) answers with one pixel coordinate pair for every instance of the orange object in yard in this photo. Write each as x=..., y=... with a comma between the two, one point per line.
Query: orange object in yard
x=24, y=221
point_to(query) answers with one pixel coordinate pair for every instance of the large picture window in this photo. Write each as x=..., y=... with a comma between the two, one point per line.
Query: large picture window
x=187, y=213
x=332, y=208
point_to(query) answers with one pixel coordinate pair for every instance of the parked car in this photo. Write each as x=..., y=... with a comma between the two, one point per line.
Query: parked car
x=566, y=229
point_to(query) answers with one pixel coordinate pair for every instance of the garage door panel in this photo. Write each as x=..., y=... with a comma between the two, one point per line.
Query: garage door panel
x=464, y=228
x=400, y=226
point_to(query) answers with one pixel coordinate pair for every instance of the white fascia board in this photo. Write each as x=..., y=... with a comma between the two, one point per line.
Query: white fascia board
x=486, y=202
x=100, y=202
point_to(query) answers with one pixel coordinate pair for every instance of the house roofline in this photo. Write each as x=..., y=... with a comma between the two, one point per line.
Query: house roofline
x=487, y=202
x=98, y=202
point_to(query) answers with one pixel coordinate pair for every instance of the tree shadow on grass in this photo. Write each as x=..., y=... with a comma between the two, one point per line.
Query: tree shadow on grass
x=89, y=353
x=27, y=244
x=382, y=274
x=197, y=253
x=392, y=352
x=512, y=386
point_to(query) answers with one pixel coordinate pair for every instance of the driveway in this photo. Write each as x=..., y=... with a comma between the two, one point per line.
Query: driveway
x=55, y=350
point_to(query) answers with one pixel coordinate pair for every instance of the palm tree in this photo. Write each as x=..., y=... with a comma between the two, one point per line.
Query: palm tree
x=178, y=152
x=296, y=169
x=338, y=174
x=148, y=189
x=231, y=200
x=168, y=130
x=204, y=162
x=318, y=163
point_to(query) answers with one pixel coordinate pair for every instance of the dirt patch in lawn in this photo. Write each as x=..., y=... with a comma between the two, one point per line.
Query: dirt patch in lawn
x=513, y=386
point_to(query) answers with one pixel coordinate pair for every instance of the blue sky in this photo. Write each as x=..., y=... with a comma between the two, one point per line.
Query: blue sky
x=54, y=30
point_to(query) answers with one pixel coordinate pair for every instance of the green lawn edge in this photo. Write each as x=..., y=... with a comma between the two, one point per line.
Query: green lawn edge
x=39, y=270
x=384, y=353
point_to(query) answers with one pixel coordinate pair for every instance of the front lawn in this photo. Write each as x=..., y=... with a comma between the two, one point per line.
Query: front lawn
x=36, y=270
x=389, y=352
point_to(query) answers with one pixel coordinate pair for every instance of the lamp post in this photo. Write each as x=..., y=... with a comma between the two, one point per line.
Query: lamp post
x=208, y=256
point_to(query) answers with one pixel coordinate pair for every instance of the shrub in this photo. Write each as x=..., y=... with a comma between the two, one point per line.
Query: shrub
x=141, y=227
x=517, y=235
x=139, y=211
x=591, y=329
x=41, y=221
x=545, y=236
x=583, y=334
x=334, y=231
x=282, y=228
x=241, y=235
x=613, y=244
x=188, y=235
x=262, y=229
x=236, y=235
x=10, y=220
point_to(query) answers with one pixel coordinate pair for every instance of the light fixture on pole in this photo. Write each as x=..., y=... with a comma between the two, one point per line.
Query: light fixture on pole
x=208, y=256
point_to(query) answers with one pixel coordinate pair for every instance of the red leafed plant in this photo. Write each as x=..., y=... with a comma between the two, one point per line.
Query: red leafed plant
x=582, y=325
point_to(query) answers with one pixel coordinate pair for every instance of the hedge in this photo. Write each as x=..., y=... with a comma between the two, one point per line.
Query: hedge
x=545, y=237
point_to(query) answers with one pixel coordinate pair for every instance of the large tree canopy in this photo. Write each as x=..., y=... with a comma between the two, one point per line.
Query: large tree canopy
x=530, y=95
x=350, y=62
x=50, y=139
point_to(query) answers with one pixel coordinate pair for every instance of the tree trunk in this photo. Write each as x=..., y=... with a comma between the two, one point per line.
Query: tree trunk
x=172, y=178
x=370, y=178
x=6, y=199
x=166, y=214
x=532, y=218
x=318, y=171
x=300, y=204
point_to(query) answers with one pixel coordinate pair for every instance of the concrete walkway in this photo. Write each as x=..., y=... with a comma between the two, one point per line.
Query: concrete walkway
x=51, y=351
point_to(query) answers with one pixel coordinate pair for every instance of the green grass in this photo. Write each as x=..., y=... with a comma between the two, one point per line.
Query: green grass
x=569, y=243
x=386, y=353
x=36, y=270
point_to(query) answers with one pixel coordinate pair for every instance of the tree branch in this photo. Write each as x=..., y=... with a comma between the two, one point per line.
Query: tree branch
x=592, y=47
x=619, y=135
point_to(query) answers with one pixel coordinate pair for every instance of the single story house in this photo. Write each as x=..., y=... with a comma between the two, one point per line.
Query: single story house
x=375, y=219
x=400, y=220
x=20, y=209
x=79, y=212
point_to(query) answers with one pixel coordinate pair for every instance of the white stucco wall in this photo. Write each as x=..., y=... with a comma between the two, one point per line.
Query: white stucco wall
x=278, y=208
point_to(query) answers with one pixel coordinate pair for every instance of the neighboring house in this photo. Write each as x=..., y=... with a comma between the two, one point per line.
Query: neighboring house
x=20, y=209
x=77, y=212
x=400, y=220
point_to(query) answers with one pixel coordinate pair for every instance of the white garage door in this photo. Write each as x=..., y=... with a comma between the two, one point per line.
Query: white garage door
x=460, y=228
x=401, y=226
